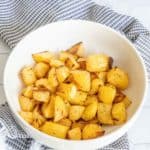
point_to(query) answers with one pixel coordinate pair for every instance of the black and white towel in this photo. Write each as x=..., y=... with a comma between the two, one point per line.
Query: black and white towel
x=19, y=17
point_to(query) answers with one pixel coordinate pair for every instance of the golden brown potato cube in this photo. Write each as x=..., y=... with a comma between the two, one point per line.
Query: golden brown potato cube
x=95, y=86
x=27, y=116
x=55, y=129
x=44, y=83
x=65, y=122
x=41, y=69
x=47, y=109
x=97, y=63
x=79, y=98
x=74, y=134
x=90, y=110
x=82, y=79
x=104, y=113
x=60, y=109
x=42, y=57
x=107, y=94
x=77, y=49
x=56, y=63
x=79, y=124
x=126, y=101
x=27, y=91
x=41, y=95
x=38, y=119
x=52, y=78
x=119, y=113
x=91, y=131
x=62, y=73
x=26, y=104
x=118, y=78
x=119, y=97
x=28, y=75
x=68, y=90
x=76, y=112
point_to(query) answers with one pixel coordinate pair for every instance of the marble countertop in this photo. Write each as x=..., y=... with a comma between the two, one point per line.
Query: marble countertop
x=139, y=133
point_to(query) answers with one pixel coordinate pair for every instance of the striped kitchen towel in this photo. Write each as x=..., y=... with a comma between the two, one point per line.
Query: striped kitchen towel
x=19, y=17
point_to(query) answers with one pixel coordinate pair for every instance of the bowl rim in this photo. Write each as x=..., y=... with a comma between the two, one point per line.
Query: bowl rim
x=124, y=128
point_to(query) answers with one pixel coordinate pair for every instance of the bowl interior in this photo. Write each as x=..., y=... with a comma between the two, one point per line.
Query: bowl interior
x=59, y=36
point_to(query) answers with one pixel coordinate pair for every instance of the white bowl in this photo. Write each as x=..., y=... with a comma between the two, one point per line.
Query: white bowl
x=97, y=38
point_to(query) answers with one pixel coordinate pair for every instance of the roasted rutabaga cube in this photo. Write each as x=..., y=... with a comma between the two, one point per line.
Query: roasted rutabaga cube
x=107, y=94
x=74, y=134
x=91, y=131
x=28, y=91
x=67, y=90
x=77, y=49
x=60, y=109
x=82, y=79
x=118, y=78
x=119, y=113
x=90, y=109
x=97, y=63
x=76, y=112
x=47, y=109
x=104, y=113
x=28, y=75
x=41, y=69
x=79, y=98
x=27, y=116
x=42, y=57
x=62, y=73
x=55, y=129
x=26, y=104
x=41, y=95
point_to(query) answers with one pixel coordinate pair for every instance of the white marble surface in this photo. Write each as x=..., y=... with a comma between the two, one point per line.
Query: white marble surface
x=137, y=8
x=139, y=134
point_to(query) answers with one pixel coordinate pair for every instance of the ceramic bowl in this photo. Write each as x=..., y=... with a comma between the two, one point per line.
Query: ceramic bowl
x=97, y=38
